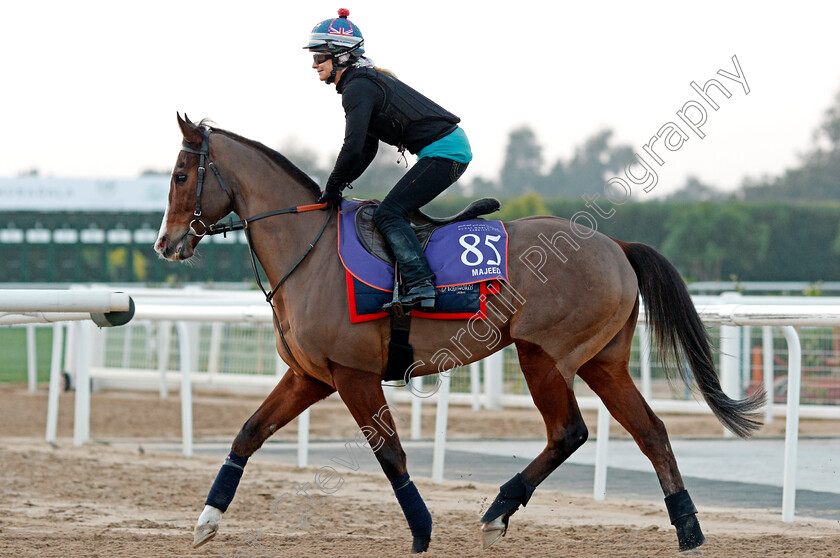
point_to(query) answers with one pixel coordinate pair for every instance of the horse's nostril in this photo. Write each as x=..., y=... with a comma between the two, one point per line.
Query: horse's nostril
x=160, y=245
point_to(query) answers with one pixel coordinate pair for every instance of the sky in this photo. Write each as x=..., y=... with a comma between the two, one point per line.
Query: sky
x=91, y=88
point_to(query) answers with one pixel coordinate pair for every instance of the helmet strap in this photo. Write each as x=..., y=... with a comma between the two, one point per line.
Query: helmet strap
x=331, y=77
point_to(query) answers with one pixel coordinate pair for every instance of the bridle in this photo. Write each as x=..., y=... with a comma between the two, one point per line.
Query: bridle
x=244, y=225
x=204, y=155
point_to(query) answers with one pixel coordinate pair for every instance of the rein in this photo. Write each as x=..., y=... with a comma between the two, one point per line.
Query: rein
x=244, y=225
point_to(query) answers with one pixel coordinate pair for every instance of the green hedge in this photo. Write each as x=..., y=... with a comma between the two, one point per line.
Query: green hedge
x=707, y=241
x=752, y=241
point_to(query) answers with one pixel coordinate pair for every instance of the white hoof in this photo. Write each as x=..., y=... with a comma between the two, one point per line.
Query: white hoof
x=204, y=533
x=493, y=531
x=207, y=526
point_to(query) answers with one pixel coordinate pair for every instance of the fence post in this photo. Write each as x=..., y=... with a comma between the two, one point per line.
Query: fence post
x=600, y=485
x=31, y=359
x=303, y=439
x=164, y=339
x=55, y=381
x=70, y=352
x=493, y=375
x=215, y=351
x=730, y=356
x=767, y=366
x=792, y=422
x=475, y=384
x=81, y=419
x=730, y=362
x=746, y=358
x=195, y=343
x=185, y=348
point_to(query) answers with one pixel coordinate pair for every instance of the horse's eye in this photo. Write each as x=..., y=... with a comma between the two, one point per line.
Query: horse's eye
x=180, y=178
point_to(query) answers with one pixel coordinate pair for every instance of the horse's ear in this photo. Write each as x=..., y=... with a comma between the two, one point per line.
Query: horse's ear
x=189, y=130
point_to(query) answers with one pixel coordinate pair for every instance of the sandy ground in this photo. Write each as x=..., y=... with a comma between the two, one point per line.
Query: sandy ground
x=104, y=501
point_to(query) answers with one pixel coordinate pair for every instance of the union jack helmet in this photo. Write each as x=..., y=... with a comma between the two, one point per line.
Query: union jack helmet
x=337, y=36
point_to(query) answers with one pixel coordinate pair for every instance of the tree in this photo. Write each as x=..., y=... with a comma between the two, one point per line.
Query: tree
x=702, y=238
x=829, y=131
x=523, y=206
x=816, y=178
x=479, y=186
x=522, y=169
x=694, y=190
x=592, y=165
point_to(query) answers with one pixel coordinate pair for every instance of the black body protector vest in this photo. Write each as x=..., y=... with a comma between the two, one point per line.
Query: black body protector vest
x=407, y=119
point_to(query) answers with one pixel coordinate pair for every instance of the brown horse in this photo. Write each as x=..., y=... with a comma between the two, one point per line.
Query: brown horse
x=570, y=307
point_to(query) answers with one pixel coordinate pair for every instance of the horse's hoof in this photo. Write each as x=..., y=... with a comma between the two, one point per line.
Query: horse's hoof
x=493, y=530
x=420, y=544
x=204, y=533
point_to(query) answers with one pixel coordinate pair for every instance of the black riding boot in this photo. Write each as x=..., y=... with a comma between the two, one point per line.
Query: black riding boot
x=418, y=278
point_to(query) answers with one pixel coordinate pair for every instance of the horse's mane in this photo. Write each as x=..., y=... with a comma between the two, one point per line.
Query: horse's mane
x=301, y=177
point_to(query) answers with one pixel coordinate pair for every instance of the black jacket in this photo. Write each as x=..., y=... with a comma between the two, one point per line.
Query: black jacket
x=378, y=106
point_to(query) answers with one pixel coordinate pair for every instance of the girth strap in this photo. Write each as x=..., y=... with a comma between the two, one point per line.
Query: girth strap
x=400, y=351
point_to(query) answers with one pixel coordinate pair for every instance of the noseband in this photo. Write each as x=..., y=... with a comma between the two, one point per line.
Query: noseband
x=243, y=225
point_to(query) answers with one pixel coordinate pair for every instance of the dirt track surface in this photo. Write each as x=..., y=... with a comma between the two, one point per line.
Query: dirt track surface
x=104, y=501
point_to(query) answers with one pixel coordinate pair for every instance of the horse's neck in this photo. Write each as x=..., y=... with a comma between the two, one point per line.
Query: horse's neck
x=263, y=186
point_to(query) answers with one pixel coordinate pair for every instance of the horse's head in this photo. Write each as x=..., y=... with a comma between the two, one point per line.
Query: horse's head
x=197, y=198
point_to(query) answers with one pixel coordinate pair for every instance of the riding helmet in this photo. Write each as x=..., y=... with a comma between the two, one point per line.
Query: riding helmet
x=337, y=36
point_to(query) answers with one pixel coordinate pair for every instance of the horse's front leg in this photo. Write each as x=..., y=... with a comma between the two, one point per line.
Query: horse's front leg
x=293, y=394
x=362, y=393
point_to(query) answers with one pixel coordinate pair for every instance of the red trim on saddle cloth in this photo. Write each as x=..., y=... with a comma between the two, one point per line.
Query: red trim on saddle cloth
x=351, y=302
x=485, y=287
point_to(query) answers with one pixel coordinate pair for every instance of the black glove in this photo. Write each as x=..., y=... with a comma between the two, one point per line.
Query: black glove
x=331, y=197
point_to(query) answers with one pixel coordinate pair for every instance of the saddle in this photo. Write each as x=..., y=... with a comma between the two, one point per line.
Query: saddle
x=422, y=224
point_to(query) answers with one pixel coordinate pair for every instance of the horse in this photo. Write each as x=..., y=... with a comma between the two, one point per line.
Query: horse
x=570, y=306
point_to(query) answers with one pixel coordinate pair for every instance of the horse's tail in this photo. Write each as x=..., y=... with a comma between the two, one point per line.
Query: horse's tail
x=682, y=338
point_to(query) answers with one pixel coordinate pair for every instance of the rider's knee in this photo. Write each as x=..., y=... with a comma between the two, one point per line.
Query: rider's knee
x=386, y=211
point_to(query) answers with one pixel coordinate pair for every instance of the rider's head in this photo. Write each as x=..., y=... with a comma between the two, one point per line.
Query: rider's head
x=335, y=44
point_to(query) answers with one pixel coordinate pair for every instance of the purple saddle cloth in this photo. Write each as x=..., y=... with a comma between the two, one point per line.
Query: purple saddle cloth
x=459, y=253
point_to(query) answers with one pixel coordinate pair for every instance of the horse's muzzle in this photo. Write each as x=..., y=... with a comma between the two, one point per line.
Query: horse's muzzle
x=181, y=249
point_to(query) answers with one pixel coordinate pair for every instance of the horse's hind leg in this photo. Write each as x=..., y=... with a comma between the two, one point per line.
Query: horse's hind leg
x=609, y=377
x=565, y=431
x=293, y=394
x=362, y=393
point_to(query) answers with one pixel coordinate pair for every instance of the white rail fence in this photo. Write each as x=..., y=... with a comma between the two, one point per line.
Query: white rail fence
x=36, y=306
x=225, y=309
x=81, y=307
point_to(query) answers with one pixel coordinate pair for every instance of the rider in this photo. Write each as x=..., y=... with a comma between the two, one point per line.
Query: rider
x=378, y=106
